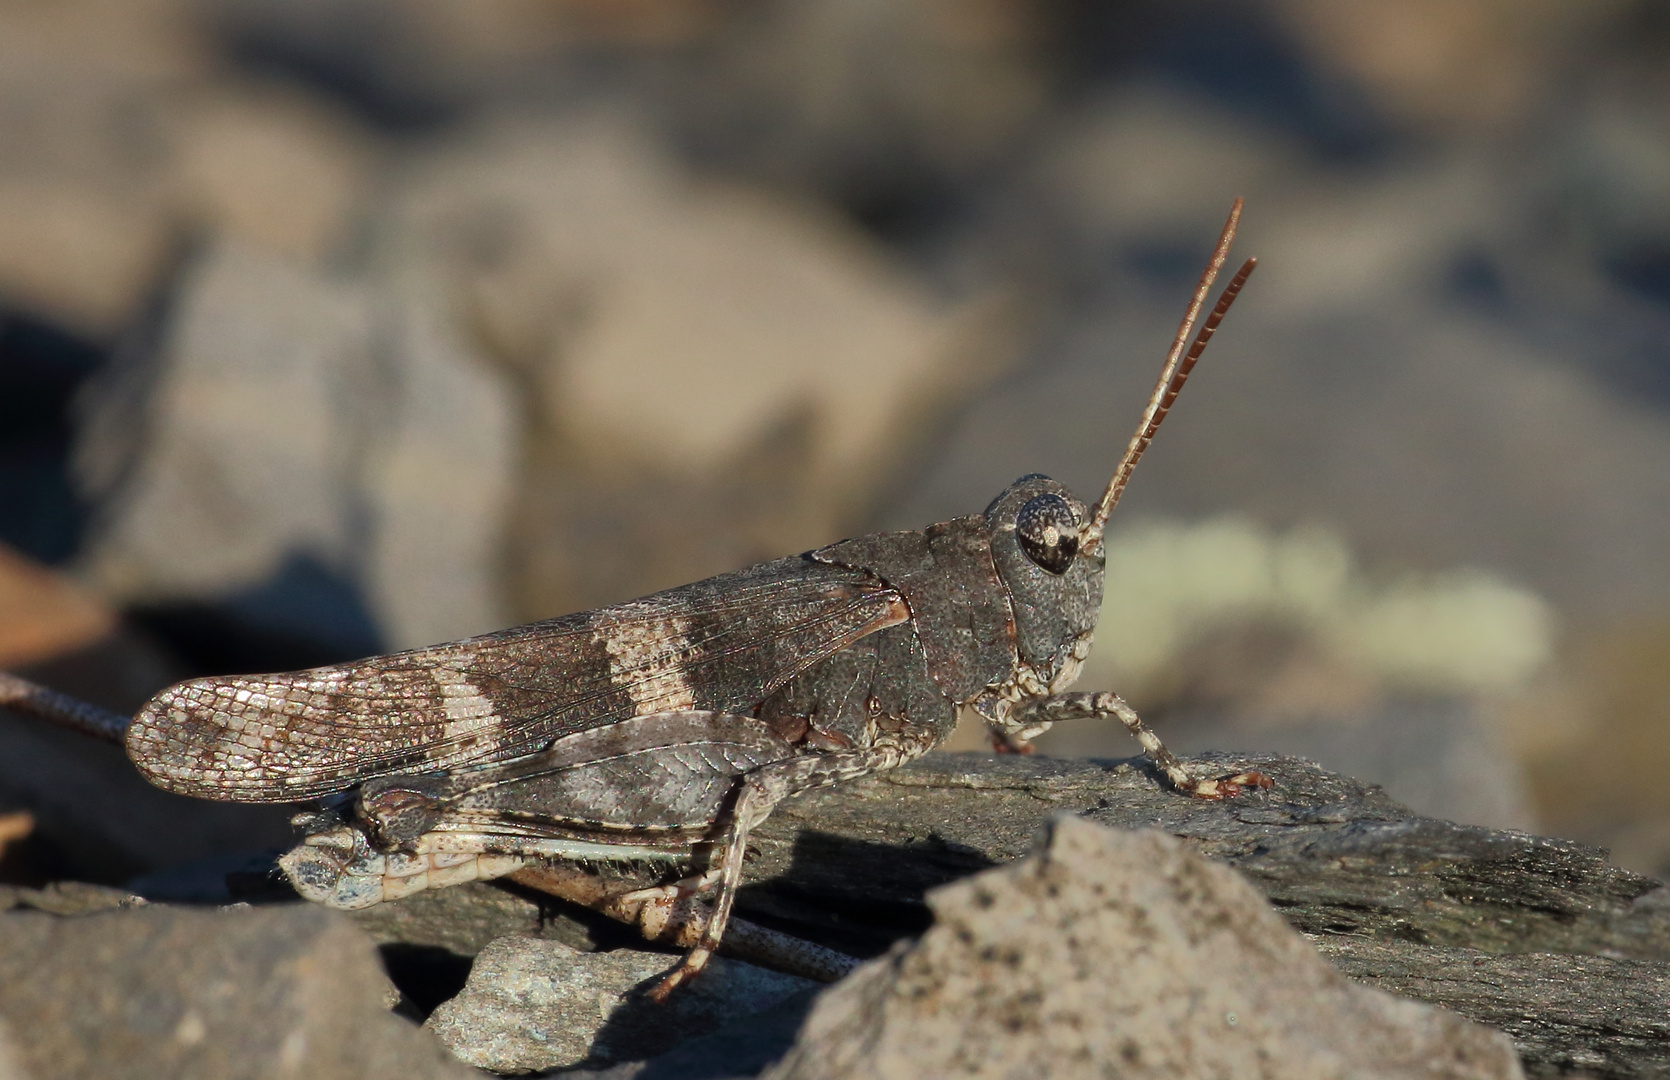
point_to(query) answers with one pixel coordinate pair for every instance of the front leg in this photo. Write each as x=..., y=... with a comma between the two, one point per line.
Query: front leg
x=761, y=791
x=1087, y=705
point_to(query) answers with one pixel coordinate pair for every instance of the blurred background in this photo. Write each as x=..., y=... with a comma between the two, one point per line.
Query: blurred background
x=329, y=327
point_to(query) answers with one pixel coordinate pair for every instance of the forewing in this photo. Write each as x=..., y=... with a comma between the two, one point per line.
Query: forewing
x=722, y=644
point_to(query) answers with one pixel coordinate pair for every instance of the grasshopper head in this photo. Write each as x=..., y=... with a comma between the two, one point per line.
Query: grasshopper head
x=1048, y=545
x=1051, y=564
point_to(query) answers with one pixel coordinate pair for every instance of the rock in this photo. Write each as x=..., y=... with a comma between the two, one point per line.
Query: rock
x=1589, y=1015
x=532, y=1005
x=273, y=170
x=442, y=468
x=879, y=106
x=77, y=252
x=713, y=373
x=1351, y=385
x=849, y=867
x=236, y=449
x=1227, y=635
x=1441, y=758
x=1109, y=952
x=1615, y=693
x=1456, y=69
x=162, y=992
x=15, y=827
x=317, y=460
x=742, y=1047
x=84, y=219
x=465, y=919
x=43, y=614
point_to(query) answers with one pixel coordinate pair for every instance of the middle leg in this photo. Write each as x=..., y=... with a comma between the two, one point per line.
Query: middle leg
x=761, y=791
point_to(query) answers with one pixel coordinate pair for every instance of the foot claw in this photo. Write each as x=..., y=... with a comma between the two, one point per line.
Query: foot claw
x=1009, y=744
x=1230, y=786
x=688, y=968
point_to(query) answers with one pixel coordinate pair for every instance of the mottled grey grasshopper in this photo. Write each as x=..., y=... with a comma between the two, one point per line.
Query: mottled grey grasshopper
x=674, y=724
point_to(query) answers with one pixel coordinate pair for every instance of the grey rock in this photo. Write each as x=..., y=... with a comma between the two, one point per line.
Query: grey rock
x=236, y=444
x=289, y=417
x=155, y=991
x=740, y=1048
x=1594, y=1015
x=849, y=867
x=439, y=471
x=1122, y=952
x=532, y=1005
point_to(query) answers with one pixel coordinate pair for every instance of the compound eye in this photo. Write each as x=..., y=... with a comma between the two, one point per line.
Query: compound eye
x=1049, y=532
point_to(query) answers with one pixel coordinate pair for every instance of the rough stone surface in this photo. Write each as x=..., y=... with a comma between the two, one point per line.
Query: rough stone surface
x=849, y=867
x=153, y=991
x=850, y=864
x=1592, y=1015
x=532, y=1005
x=1122, y=952
x=1543, y=937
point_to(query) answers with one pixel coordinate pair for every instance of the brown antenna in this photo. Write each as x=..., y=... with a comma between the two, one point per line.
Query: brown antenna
x=1178, y=363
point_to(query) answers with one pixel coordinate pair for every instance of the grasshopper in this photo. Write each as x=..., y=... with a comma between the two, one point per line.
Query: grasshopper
x=671, y=726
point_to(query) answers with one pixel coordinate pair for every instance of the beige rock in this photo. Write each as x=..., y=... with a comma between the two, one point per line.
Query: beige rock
x=84, y=227
x=1122, y=953
x=1449, y=65
x=42, y=613
x=692, y=314
x=115, y=144
x=847, y=95
x=268, y=168
x=78, y=253
x=139, y=41
x=713, y=374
